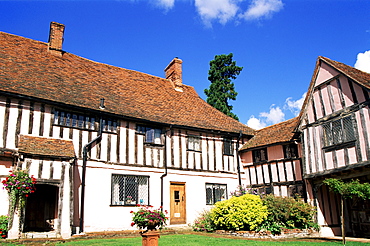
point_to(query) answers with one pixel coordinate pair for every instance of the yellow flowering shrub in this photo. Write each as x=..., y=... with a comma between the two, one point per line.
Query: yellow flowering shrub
x=239, y=213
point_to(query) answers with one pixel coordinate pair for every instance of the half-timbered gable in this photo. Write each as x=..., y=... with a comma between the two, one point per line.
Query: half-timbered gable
x=104, y=138
x=272, y=160
x=335, y=126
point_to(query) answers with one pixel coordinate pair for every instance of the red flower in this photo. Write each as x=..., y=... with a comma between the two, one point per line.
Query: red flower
x=3, y=236
x=26, y=195
x=131, y=211
x=132, y=223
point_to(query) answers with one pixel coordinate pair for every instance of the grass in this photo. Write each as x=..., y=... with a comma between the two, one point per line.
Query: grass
x=194, y=240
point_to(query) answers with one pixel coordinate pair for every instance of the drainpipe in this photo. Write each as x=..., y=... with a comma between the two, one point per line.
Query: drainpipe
x=237, y=158
x=86, y=148
x=165, y=168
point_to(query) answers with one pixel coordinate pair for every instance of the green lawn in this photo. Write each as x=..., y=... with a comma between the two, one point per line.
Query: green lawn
x=196, y=240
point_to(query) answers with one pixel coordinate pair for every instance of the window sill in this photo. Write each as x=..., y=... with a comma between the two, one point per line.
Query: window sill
x=339, y=146
x=153, y=144
x=123, y=205
x=259, y=162
x=193, y=150
x=86, y=129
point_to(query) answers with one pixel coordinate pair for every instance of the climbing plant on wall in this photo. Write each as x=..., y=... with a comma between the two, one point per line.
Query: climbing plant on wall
x=352, y=189
x=19, y=185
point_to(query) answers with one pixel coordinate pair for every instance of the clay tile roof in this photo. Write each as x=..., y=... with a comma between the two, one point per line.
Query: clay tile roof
x=46, y=147
x=361, y=77
x=275, y=134
x=28, y=69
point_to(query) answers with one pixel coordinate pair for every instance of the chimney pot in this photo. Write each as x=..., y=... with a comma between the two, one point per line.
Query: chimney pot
x=56, y=38
x=174, y=73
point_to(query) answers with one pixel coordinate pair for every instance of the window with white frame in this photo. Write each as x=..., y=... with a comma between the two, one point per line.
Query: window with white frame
x=339, y=132
x=194, y=143
x=215, y=193
x=228, y=146
x=129, y=190
x=152, y=135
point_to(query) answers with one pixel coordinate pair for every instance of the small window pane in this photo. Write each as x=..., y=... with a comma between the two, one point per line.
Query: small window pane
x=74, y=120
x=81, y=122
x=130, y=190
x=56, y=117
x=61, y=119
x=215, y=193
x=228, y=146
x=68, y=119
x=194, y=143
x=92, y=123
x=338, y=131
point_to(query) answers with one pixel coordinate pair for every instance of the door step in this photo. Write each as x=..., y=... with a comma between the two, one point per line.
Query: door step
x=49, y=234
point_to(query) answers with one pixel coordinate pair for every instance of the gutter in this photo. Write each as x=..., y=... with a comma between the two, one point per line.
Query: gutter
x=86, y=148
x=165, y=168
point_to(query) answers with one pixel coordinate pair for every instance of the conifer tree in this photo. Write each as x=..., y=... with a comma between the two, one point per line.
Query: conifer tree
x=222, y=70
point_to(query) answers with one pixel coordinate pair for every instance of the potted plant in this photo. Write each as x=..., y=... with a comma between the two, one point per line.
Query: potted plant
x=150, y=220
x=128, y=199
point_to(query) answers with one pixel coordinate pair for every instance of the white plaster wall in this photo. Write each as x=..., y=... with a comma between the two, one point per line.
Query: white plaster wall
x=13, y=114
x=100, y=216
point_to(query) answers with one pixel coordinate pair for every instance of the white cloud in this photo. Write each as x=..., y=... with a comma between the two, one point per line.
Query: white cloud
x=294, y=106
x=166, y=4
x=275, y=115
x=255, y=123
x=363, y=61
x=224, y=11
x=221, y=10
x=262, y=8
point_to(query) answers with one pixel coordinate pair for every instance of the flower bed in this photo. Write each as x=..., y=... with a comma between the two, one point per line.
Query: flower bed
x=286, y=233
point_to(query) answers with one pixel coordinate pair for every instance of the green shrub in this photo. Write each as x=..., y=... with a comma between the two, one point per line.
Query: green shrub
x=3, y=226
x=286, y=212
x=239, y=213
x=203, y=222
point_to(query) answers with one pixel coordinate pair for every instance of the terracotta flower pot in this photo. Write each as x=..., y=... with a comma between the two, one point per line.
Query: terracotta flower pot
x=150, y=238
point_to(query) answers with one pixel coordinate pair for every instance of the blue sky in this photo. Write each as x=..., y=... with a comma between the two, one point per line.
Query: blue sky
x=276, y=41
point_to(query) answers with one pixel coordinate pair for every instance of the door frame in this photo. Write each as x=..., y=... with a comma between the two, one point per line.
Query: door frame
x=182, y=219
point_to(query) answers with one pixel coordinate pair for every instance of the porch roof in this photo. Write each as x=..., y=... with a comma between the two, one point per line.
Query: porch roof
x=46, y=147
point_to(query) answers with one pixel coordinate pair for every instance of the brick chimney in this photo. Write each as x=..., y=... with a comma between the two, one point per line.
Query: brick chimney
x=174, y=73
x=56, y=38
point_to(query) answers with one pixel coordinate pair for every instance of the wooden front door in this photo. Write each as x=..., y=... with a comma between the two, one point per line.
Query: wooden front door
x=177, y=204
